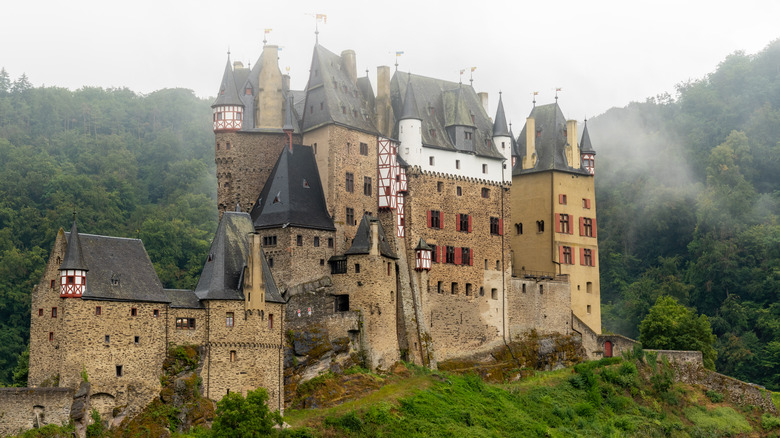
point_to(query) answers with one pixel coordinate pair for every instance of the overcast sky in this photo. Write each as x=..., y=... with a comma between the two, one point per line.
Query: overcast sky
x=601, y=53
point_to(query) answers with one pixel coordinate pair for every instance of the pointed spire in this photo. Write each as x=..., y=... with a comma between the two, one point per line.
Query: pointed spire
x=585, y=145
x=410, y=103
x=499, y=126
x=422, y=245
x=228, y=93
x=74, y=259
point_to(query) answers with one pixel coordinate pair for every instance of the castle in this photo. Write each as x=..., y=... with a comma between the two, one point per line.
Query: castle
x=461, y=237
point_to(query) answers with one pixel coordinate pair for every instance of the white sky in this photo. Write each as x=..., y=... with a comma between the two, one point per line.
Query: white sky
x=601, y=53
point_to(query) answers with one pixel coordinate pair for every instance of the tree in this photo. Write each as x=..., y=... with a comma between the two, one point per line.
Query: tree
x=671, y=326
x=245, y=417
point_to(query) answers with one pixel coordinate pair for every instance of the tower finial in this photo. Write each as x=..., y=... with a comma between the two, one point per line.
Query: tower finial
x=265, y=35
x=535, y=93
x=397, y=54
x=471, y=77
x=556, y=94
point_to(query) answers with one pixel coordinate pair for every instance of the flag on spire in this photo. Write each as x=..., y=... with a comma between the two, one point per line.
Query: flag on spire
x=472, y=69
x=267, y=31
x=322, y=17
x=399, y=53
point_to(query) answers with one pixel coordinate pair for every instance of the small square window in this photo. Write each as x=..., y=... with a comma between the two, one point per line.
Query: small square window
x=232, y=355
x=330, y=242
x=40, y=312
x=270, y=262
x=431, y=161
x=439, y=186
x=107, y=339
x=299, y=240
x=485, y=192
x=156, y=313
x=52, y=284
x=588, y=309
x=459, y=191
x=119, y=371
x=51, y=336
x=357, y=268
x=137, y=340
x=133, y=312
x=494, y=293
x=53, y=312
x=484, y=168
x=229, y=319
x=98, y=310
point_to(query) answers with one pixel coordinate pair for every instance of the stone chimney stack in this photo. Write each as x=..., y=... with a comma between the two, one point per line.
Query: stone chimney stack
x=350, y=65
x=571, y=139
x=483, y=98
x=254, y=284
x=530, y=143
x=384, y=111
x=269, y=103
x=374, y=237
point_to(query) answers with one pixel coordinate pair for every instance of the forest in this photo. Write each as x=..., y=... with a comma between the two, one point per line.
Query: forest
x=688, y=196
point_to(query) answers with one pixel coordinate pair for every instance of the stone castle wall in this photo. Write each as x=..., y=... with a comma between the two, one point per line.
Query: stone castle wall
x=186, y=335
x=540, y=305
x=25, y=408
x=246, y=355
x=292, y=264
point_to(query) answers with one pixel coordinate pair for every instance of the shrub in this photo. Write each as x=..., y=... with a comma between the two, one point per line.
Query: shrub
x=714, y=396
x=245, y=417
x=769, y=422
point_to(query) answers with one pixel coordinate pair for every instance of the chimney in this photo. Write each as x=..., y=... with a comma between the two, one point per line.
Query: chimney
x=254, y=286
x=530, y=143
x=350, y=65
x=483, y=98
x=285, y=83
x=571, y=138
x=238, y=65
x=269, y=104
x=383, y=109
x=374, y=251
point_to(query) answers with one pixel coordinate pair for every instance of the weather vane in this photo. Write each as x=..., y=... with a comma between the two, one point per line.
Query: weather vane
x=317, y=18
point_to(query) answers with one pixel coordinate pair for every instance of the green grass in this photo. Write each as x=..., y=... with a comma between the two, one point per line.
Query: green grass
x=720, y=421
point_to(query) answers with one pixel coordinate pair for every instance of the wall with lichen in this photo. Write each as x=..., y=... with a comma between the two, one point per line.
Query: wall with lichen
x=25, y=408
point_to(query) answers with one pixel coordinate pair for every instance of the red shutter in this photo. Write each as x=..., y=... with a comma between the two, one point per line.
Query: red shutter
x=469, y=223
x=560, y=254
x=441, y=220
x=593, y=257
x=582, y=226
x=471, y=256
x=457, y=221
x=429, y=218
x=582, y=256
x=500, y=227
x=557, y=222
x=587, y=203
x=560, y=199
x=459, y=256
x=441, y=249
x=593, y=227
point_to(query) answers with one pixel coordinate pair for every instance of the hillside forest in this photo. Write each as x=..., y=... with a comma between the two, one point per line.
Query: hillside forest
x=688, y=196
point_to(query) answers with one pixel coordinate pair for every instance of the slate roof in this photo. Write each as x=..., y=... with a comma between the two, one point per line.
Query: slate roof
x=423, y=245
x=343, y=102
x=121, y=259
x=228, y=94
x=452, y=103
x=499, y=126
x=410, y=110
x=550, y=142
x=293, y=195
x=222, y=276
x=361, y=244
x=183, y=299
x=585, y=144
x=74, y=258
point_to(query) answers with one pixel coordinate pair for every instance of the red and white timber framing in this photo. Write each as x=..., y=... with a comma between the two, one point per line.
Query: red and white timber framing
x=72, y=283
x=423, y=260
x=387, y=167
x=227, y=117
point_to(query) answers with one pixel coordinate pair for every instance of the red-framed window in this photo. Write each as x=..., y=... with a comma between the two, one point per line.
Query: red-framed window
x=566, y=256
x=563, y=223
x=587, y=257
x=53, y=312
x=496, y=226
x=587, y=227
x=435, y=219
x=463, y=222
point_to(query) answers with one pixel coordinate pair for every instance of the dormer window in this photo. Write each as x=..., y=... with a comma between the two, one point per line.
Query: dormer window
x=467, y=135
x=433, y=133
x=248, y=91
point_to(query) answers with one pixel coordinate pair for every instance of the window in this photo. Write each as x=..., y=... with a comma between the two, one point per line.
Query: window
x=431, y=161
x=40, y=312
x=585, y=203
x=566, y=255
x=586, y=258
x=269, y=240
x=137, y=340
x=388, y=269
x=350, y=219
x=450, y=254
x=433, y=133
x=330, y=242
x=540, y=226
x=367, y=186
x=53, y=312
x=52, y=284
x=338, y=266
x=439, y=289
x=322, y=262
x=466, y=135
x=156, y=313
x=341, y=303
x=562, y=199
x=270, y=320
x=350, y=182
x=270, y=262
x=589, y=287
x=299, y=240
x=248, y=91
x=185, y=323
x=563, y=223
x=227, y=145
x=229, y=319
x=519, y=228
x=107, y=339
x=586, y=227
x=232, y=355
x=51, y=336
x=523, y=287
x=357, y=268
x=481, y=291
x=484, y=168
x=588, y=309
x=363, y=149
x=119, y=371
x=468, y=289
x=315, y=148
x=316, y=241
x=494, y=294
x=541, y=289
x=434, y=254
x=439, y=186
x=434, y=219
x=454, y=290
x=465, y=256
x=98, y=310
x=464, y=223
x=485, y=192
x=457, y=164
x=459, y=191
x=133, y=312
x=496, y=226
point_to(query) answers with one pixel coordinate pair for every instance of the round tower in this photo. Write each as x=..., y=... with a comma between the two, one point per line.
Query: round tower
x=227, y=110
x=410, y=129
x=587, y=152
x=73, y=271
x=502, y=139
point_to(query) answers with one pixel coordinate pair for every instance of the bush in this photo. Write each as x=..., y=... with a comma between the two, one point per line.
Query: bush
x=96, y=429
x=245, y=417
x=714, y=396
x=769, y=422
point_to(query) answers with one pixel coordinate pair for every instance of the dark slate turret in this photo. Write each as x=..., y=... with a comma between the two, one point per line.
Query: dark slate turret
x=228, y=94
x=410, y=110
x=361, y=244
x=74, y=257
x=500, y=128
x=585, y=145
x=550, y=141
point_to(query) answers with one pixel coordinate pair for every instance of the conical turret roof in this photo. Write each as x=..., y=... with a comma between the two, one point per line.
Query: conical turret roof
x=499, y=126
x=228, y=94
x=585, y=145
x=74, y=258
x=410, y=105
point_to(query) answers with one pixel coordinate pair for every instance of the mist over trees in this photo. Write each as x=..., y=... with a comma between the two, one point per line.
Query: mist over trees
x=129, y=165
x=688, y=191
